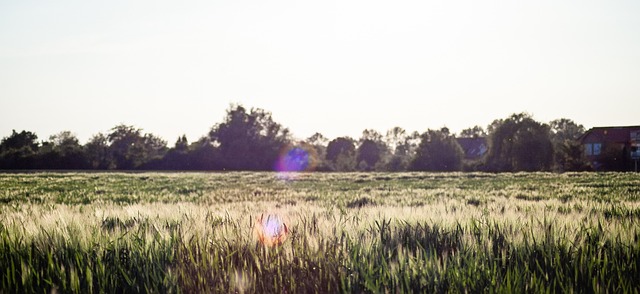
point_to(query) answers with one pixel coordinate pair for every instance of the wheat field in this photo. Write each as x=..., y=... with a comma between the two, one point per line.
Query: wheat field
x=347, y=232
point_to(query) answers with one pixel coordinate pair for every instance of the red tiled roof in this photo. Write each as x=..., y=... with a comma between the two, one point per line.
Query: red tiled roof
x=609, y=134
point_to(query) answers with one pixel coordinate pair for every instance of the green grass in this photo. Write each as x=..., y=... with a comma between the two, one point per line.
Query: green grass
x=357, y=232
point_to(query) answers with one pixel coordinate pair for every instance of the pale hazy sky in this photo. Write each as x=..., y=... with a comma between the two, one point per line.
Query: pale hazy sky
x=335, y=67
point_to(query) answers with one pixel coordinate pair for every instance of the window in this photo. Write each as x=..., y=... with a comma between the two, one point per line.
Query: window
x=588, y=149
x=635, y=152
x=597, y=148
x=592, y=149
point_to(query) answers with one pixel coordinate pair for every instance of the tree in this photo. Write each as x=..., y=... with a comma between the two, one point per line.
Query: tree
x=403, y=148
x=182, y=144
x=567, y=154
x=126, y=146
x=395, y=137
x=20, y=140
x=565, y=129
x=370, y=134
x=473, y=132
x=319, y=142
x=97, y=152
x=341, y=154
x=19, y=150
x=154, y=150
x=177, y=157
x=372, y=150
x=249, y=140
x=130, y=149
x=438, y=151
x=203, y=155
x=317, y=139
x=369, y=154
x=519, y=143
x=63, y=151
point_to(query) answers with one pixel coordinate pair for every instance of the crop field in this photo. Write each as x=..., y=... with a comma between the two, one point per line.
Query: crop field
x=346, y=232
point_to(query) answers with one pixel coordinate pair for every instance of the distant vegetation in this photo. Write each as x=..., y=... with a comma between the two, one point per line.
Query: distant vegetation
x=250, y=140
x=349, y=232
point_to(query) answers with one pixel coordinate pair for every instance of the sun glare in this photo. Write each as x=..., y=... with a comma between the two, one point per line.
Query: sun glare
x=271, y=230
x=294, y=159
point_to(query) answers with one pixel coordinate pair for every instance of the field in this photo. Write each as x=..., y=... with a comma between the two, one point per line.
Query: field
x=348, y=232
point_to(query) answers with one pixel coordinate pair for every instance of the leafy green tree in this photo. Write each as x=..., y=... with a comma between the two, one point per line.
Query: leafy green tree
x=519, y=143
x=200, y=155
x=319, y=142
x=126, y=146
x=438, y=151
x=203, y=155
x=249, y=140
x=341, y=145
x=62, y=151
x=565, y=129
x=410, y=145
x=369, y=154
x=341, y=154
x=371, y=151
x=473, y=132
x=130, y=149
x=19, y=150
x=24, y=139
x=567, y=154
x=182, y=144
x=155, y=148
x=97, y=152
x=317, y=139
x=402, y=147
x=395, y=137
x=177, y=158
x=372, y=135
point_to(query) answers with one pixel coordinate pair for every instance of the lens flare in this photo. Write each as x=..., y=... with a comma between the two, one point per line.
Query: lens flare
x=271, y=230
x=294, y=159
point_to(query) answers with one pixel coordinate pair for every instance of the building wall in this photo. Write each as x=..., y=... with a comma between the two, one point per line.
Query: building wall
x=610, y=148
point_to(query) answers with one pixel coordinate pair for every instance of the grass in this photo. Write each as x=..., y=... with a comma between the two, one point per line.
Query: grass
x=358, y=232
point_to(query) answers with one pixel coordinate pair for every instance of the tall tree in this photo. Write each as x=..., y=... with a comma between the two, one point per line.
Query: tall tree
x=473, y=132
x=24, y=139
x=19, y=150
x=63, y=151
x=567, y=150
x=438, y=151
x=519, y=143
x=249, y=140
x=317, y=139
x=369, y=154
x=182, y=144
x=203, y=155
x=370, y=134
x=176, y=158
x=372, y=150
x=97, y=152
x=126, y=146
x=319, y=143
x=403, y=152
x=395, y=137
x=341, y=154
x=130, y=149
x=154, y=150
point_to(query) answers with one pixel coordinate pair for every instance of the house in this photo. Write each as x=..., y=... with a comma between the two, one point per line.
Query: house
x=474, y=148
x=612, y=148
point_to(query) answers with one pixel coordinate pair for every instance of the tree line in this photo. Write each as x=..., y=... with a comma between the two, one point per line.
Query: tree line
x=249, y=139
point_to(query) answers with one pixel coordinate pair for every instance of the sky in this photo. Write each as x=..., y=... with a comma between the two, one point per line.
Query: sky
x=334, y=67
